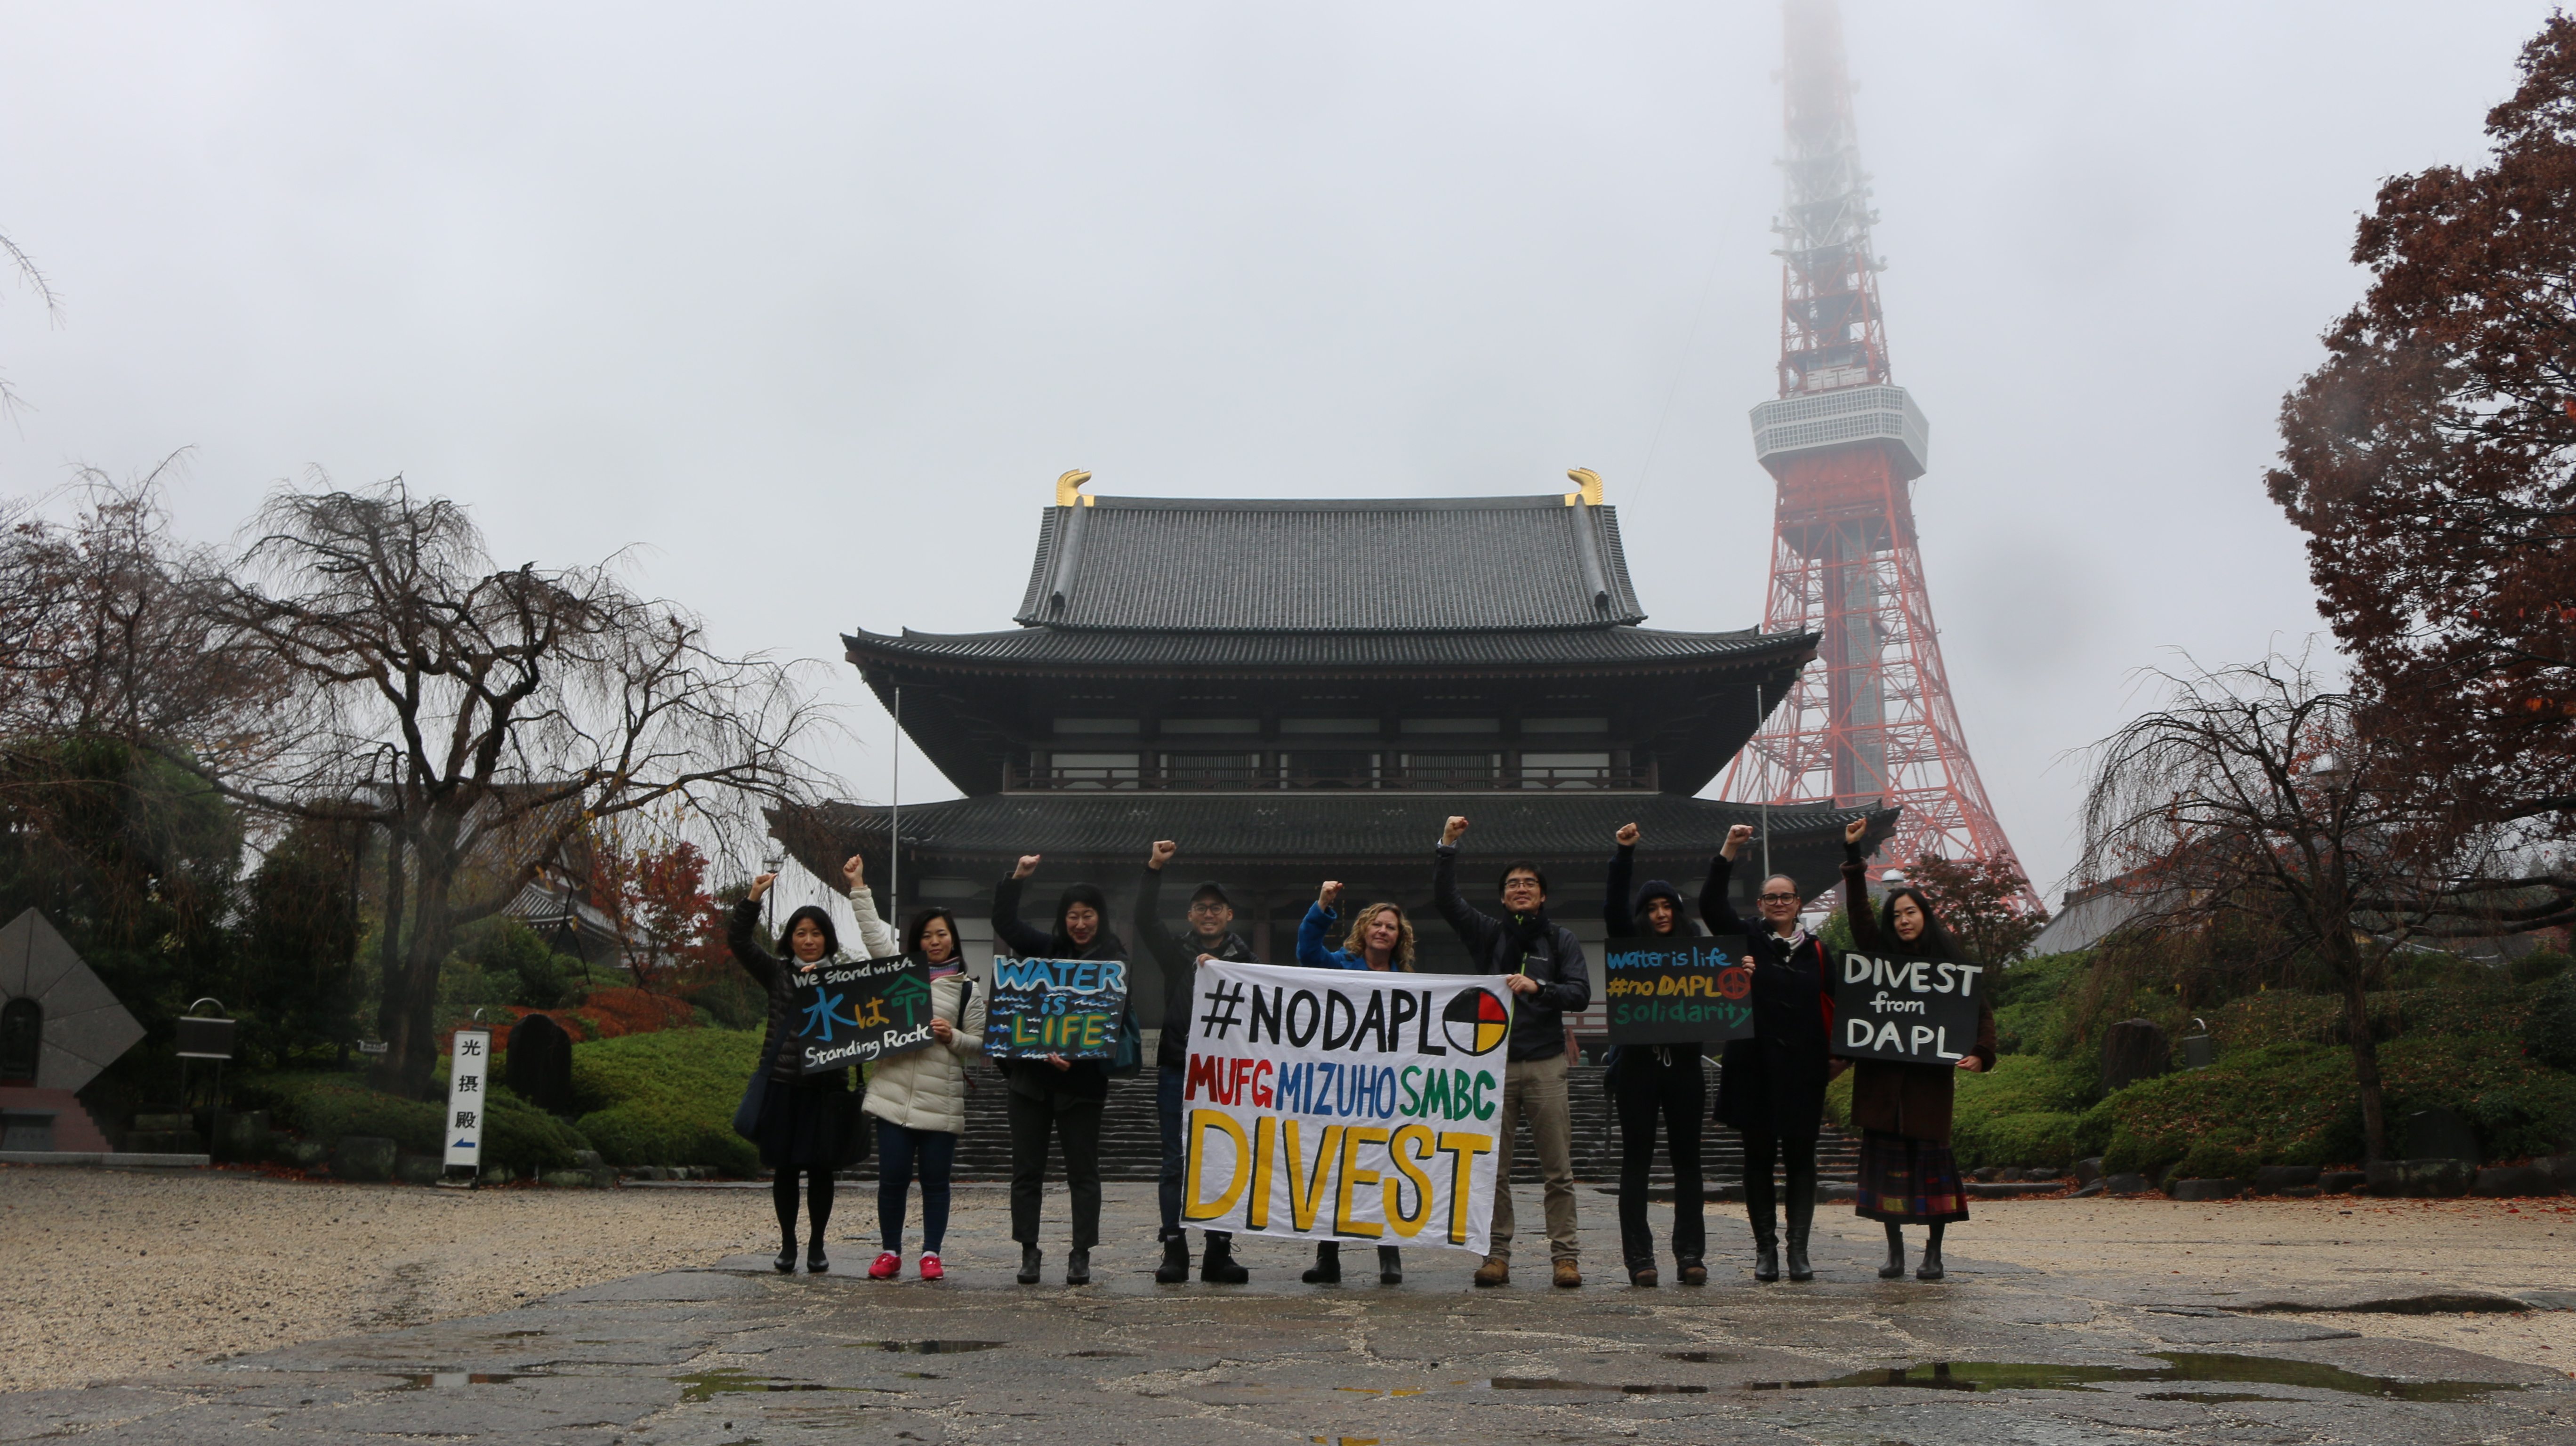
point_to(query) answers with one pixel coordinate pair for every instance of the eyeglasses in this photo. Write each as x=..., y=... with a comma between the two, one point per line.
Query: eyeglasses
x=1207, y=906
x=1779, y=898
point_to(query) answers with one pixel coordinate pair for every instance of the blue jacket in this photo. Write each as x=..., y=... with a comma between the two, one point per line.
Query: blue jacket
x=1310, y=942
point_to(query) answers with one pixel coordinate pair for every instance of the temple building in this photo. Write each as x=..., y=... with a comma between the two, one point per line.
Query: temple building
x=1297, y=691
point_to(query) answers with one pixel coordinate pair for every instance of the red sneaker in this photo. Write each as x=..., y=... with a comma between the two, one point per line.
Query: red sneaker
x=930, y=1266
x=888, y=1266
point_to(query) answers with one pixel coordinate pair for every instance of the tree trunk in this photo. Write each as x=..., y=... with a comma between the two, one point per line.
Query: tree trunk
x=389, y=957
x=415, y=1044
x=2365, y=1064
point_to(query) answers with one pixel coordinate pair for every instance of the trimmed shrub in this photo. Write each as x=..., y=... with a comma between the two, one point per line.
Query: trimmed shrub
x=2549, y=1030
x=667, y=1098
x=325, y=1106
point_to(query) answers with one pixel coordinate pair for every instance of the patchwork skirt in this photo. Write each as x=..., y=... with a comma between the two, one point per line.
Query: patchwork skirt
x=1909, y=1182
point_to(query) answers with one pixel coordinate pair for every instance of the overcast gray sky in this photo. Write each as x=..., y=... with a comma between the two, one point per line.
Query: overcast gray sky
x=815, y=302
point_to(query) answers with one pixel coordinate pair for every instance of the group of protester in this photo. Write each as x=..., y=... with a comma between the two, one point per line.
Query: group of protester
x=1771, y=1086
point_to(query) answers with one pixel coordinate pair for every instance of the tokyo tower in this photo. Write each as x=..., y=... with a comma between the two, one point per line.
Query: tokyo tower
x=1872, y=719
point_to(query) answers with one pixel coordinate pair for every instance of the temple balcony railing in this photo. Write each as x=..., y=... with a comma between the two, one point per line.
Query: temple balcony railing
x=1200, y=778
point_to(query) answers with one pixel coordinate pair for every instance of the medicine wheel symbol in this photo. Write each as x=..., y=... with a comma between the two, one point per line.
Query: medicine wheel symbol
x=1476, y=1021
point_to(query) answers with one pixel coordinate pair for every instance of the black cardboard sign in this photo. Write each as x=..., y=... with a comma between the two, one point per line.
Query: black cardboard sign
x=1677, y=990
x=859, y=1012
x=1906, y=1010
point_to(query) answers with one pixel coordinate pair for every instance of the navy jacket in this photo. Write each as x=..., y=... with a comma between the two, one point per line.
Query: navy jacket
x=1530, y=944
x=1178, y=960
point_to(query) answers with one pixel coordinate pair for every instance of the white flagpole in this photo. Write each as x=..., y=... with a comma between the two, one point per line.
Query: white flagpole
x=894, y=821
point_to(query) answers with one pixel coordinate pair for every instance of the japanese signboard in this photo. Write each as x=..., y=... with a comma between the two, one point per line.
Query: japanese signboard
x=469, y=1085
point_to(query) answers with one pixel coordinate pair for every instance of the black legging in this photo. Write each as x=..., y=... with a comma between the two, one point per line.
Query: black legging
x=818, y=1202
x=1644, y=1090
x=1798, y=1155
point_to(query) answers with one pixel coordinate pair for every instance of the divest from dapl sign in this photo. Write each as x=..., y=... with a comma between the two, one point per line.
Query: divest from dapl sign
x=1912, y=1011
x=1678, y=990
x=860, y=1011
x=1039, y=1007
x=1333, y=1104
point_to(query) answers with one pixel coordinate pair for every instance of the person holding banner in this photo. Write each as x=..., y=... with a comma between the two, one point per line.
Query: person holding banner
x=919, y=1099
x=808, y=1125
x=1211, y=937
x=1544, y=967
x=1380, y=939
x=1652, y=1079
x=1907, y=1174
x=1771, y=1088
x=1055, y=1094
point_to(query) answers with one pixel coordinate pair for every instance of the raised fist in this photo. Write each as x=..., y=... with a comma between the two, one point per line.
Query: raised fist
x=1331, y=896
x=1627, y=835
x=760, y=885
x=1735, y=838
x=1028, y=865
x=1853, y=830
x=1450, y=832
x=855, y=872
x=1163, y=850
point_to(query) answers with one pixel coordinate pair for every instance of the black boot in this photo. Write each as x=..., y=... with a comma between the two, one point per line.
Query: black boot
x=1694, y=1271
x=1931, y=1268
x=1077, y=1265
x=816, y=1263
x=1029, y=1260
x=1802, y=1215
x=1176, y=1262
x=1894, y=1269
x=1328, y=1264
x=1390, y=1265
x=1766, y=1253
x=786, y=1261
x=1217, y=1266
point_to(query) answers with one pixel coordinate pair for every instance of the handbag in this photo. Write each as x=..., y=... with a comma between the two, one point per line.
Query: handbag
x=746, y=1116
x=1131, y=1050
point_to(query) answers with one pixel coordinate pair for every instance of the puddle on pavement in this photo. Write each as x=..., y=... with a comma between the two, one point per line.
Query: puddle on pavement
x=938, y=1348
x=705, y=1386
x=2179, y=1366
x=458, y=1380
x=1545, y=1383
x=1104, y=1355
x=1706, y=1358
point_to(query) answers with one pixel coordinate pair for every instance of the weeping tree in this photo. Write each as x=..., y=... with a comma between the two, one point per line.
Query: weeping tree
x=481, y=718
x=2259, y=801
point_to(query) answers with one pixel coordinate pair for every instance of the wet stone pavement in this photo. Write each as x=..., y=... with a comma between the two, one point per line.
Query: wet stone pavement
x=733, y=1353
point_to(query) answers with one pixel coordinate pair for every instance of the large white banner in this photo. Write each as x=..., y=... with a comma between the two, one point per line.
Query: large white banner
x=1333, y=1104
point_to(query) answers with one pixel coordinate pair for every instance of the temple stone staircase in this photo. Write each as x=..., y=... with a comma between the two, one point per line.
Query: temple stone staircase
x=1131, y=1140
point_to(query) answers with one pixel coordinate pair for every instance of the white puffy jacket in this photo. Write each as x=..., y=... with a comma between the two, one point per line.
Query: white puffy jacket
x=926, y=1088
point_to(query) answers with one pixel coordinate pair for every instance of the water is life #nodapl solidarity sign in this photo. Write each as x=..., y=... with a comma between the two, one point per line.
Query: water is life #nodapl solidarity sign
x=860, y=1012
x=1913, y=1011
x=1330, y=1104
x=1039, y=1007
x=1678, y=990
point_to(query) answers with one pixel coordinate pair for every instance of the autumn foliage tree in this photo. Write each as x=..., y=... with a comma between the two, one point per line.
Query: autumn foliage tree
x=1981, y=904
x=656, y=894
x=2432, y=463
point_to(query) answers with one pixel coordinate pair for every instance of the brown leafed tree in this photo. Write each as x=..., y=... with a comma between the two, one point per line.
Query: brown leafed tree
x=1980, y=901
x=2432, y=462
x=2259, y=800
x=483, y=717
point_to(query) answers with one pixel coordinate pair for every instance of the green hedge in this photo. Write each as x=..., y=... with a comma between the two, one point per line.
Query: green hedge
x=2022, y=1112
x=667, y=1098
x=326, y=1105
x=2296, y=1104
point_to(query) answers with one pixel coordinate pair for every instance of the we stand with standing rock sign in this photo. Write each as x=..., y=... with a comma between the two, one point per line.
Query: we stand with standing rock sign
x=1906, y=1010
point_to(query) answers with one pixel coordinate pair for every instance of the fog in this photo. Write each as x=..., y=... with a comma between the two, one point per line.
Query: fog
x=812, y=304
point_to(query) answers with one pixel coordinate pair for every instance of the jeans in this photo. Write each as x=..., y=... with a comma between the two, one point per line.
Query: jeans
x=1167, y=1105
x=1075, y=1123
x=898, y=1151
x=1797, y=1155
x=1535, y=1088
x=1642, y=1089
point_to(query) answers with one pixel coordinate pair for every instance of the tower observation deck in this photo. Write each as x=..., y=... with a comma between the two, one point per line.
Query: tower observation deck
x=1872, y=719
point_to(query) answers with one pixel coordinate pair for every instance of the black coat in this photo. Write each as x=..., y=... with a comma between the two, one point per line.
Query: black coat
x=1177, y=959
x=742, y=935
x=1620, y=910
x=1530, y=944
x=1035, y=1078
x=1774, y=1083
x=1913, y=1100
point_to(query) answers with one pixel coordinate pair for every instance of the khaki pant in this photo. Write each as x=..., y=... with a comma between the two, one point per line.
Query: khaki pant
x=1535, y=1088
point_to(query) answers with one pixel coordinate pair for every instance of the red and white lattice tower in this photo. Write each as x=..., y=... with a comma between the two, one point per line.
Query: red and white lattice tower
x=1872, y=717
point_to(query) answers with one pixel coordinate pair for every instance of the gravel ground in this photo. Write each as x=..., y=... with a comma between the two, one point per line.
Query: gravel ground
x=114, y=1274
